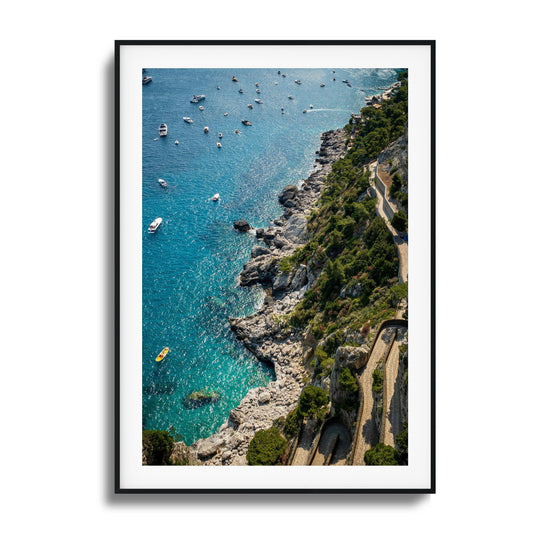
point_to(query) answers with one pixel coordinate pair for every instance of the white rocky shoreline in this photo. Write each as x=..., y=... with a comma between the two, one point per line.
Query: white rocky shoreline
x=263, y=332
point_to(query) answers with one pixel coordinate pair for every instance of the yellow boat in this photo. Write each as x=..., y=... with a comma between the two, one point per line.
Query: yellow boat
x=162, y=355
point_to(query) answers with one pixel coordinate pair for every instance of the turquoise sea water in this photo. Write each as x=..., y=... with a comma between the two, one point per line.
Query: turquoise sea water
x=191, y=265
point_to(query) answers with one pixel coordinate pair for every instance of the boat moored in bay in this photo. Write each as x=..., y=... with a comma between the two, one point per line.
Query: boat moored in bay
x=163, y=130
x=154, y=226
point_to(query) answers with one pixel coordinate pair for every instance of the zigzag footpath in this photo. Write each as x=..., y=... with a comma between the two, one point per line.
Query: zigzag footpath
x=391, y=419
x=366, y=433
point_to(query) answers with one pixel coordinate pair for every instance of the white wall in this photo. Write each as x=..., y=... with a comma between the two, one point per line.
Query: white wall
x=57, y=323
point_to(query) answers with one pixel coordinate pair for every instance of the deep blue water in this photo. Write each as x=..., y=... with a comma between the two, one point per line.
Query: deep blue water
x=191, y=265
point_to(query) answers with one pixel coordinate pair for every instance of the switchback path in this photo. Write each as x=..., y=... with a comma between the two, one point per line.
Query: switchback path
x=367, y=433
x=390, y=425
x=333, y=446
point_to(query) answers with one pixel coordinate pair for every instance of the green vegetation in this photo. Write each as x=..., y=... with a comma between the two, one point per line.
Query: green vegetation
x=377, y=380
x=157, y=446
x=382, y=455
x=402, y=439
x=266, y=447
x=313, y=403
x=292, y=424
x=381, y=126
x=347, y=381
x=399, y=221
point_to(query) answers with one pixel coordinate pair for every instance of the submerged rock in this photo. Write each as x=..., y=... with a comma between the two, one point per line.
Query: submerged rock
x=200, y=397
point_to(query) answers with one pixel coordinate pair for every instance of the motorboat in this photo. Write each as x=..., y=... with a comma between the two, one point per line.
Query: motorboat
x=219, y=145
x=305, y=111
x=199, y=97
x=348, y=84
x=220, y=135
x=298, y=82
x=322, y=85
x=155, y=225
x=226, y=114
x=246, y=122
x=257, y=84
x=234, y=79
x=163, y=130
x=189, y=120
x=258, y=91
x=218, y=87
x=310, y=106
x=216, y=197
x=201, y=108
x=237, y=132
x=194, y=101
x=291, y=97
x=257, y=101
x=282, y=111
x=241, y=91
x=284, y=75
x=147, y=79
x=163, y=183
x=206, y=129
x=345, y=81
x=176, y=141
x=162, y=354
x=275, y=83
x=250, y=106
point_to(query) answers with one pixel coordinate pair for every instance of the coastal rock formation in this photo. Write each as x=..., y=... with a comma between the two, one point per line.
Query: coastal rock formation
x=242, y=225
x=264, y=333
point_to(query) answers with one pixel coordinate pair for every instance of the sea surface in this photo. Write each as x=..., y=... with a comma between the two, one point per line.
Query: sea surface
x=191, y=265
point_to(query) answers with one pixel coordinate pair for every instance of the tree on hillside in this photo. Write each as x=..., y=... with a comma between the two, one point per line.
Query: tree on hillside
x=157, y=446
x=382, y=455
x=266, y=448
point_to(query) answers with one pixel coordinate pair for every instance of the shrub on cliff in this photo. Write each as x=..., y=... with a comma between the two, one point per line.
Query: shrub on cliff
x=377, y=380
x=313, y=403
x=402, y=440
x=266, y=447
x=157, y=446
x=347, y=381
x=382, y=455
x=399, y=221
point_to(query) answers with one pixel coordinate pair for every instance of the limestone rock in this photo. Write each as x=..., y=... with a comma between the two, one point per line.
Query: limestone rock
x=288, y=193
x=259, y=250
x=242, y=225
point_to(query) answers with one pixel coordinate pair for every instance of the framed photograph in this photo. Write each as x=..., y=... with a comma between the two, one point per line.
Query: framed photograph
x=275, y=283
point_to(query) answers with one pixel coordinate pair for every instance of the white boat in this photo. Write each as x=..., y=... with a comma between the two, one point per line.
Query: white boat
x=298, y=82
x=155, y=225
x=257, y=101
x=246, y=122
x=189, y=120
x=258, y=91
x=147, y=79
x=163, y=183
x=234, y=79
x=241, y=91
x=220, y=135
x=226, y=114
x=310, y=106
x=218, y=87
x=194, y=101
x=201, y=108
x=198, y=97
x=176, y=141
x=250, y=106
x=322, y=85
x=305, y=110
x=163, y=130
x=206, y=129
x=219, y=145
x=216, y=197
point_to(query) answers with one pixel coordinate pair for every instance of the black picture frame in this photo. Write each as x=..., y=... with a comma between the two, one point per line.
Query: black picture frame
x=119, y=47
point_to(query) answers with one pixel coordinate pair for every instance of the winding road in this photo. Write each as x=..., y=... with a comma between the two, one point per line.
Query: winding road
x=401, y=245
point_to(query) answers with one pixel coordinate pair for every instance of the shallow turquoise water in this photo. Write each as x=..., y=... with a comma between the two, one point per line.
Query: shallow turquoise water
x=191, y=265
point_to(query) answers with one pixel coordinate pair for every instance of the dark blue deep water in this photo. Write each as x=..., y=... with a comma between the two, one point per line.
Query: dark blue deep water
x=191, y=265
